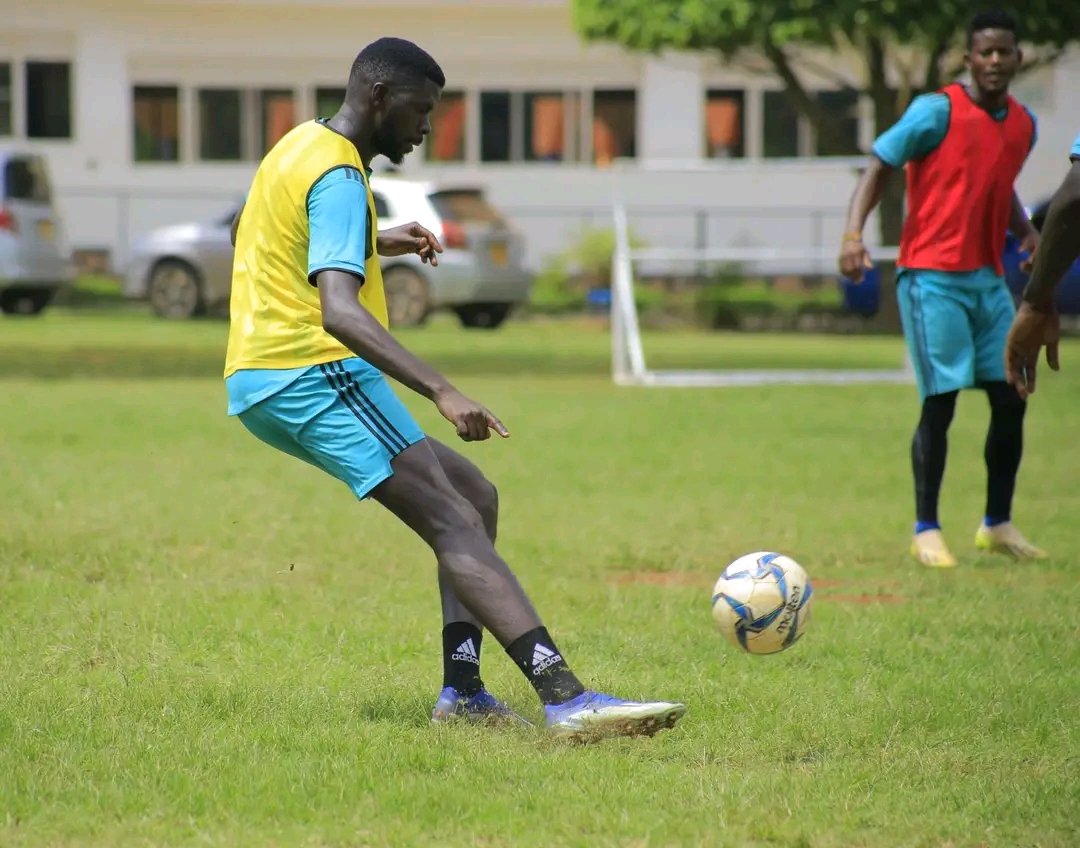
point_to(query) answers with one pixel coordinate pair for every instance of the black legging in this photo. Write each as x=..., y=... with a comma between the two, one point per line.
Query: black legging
x=1004, y=447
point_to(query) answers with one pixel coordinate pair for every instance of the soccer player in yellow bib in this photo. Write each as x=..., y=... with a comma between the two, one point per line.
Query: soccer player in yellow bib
x=308, y=351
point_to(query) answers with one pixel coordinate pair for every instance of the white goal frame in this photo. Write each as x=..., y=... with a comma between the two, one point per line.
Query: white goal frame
x=628, y=363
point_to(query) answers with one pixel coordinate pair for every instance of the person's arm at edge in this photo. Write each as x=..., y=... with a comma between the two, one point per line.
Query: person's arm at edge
x=1060, y=243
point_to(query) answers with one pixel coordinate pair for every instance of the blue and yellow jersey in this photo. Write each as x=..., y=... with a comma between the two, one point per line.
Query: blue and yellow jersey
x=1075, y=155
x=309, y=210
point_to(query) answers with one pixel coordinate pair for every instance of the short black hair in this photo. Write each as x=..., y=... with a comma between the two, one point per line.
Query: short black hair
x=992, y=19
x=396, y=59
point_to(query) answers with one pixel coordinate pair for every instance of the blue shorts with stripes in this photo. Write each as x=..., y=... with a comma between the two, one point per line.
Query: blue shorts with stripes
x=955, y=329
x=342, y=417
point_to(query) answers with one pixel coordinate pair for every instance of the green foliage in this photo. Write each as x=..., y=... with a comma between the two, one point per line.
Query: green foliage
x=566, y=278
x=730, y=25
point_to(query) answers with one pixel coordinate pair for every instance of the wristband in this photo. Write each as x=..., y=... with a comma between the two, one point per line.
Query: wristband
x=852, y=235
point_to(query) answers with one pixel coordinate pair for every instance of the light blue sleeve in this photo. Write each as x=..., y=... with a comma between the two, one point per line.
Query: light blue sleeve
x=920, y=129
x=1075, y=154
x=337, y=223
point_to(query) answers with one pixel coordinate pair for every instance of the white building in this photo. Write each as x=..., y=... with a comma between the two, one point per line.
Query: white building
x=155, y=111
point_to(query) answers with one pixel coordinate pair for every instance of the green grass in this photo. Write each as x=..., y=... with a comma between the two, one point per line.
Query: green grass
x=207, y=643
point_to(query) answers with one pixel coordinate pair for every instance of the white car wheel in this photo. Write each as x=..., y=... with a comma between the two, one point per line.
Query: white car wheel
x=407, y=299
x=174, y=290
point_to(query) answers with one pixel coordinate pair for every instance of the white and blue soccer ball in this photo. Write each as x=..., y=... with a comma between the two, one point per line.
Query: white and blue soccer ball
x=762, y=602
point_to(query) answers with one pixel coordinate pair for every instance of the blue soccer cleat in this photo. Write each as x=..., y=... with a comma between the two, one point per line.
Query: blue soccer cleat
x=483, y=706
x=592, y=715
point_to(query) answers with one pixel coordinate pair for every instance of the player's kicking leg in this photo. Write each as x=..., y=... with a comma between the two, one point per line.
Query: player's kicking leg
x=422, y=496
x=463, y=694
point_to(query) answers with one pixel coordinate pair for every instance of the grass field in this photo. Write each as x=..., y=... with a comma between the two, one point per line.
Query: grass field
x=205, y=643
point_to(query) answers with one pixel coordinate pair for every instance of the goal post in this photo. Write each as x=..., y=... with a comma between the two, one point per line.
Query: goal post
x=629, y=364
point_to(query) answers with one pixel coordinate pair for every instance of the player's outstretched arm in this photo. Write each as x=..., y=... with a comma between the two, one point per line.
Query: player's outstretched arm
x=356, y=328
x=854, y=259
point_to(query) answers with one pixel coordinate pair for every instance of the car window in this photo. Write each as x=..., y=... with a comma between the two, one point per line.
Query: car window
x=25, y=179
x=382, y=210
x=464, y=205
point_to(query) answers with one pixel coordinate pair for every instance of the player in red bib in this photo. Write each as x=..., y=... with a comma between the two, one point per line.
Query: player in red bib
x=962, y=148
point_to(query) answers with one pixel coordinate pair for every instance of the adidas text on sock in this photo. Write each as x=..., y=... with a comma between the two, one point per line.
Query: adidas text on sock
x=461, y=657
x=542, y=663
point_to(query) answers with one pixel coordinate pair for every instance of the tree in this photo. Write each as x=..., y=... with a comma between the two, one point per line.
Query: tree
x=904, y=47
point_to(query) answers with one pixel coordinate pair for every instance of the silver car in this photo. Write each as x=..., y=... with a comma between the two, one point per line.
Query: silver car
x=186, y=269
x=33, y=267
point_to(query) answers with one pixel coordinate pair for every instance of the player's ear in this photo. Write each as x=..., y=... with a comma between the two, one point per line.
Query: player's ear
x=380, y=95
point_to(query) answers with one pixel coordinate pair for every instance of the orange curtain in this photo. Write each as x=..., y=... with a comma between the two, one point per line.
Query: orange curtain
x=280, y=118
x=547, y=127
x=722, y=124
x=605, y=143
x=449, y=130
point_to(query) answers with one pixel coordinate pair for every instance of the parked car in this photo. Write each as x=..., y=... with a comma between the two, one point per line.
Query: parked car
x=186, y=269
x=33, y=266
x=862, y=299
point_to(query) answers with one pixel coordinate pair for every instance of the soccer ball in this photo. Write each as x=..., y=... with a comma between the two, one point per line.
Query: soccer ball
x=762, y=602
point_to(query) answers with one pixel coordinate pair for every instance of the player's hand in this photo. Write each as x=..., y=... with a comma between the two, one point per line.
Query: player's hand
x=1031, y=329
x=472, y=421
x=1029, y=244
x=409, y=238
x=854, y=260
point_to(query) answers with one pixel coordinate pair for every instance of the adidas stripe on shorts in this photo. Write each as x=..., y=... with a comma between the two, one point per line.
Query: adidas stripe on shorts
x=342, y=417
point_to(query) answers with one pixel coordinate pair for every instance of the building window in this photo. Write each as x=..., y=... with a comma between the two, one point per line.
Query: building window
x=447, y=140
x=277, y=115
x=550, y=126
x=495, y=126
x=724, y=126
x=220, y=124
x=328, y=101
x=614, y=127
x=781, y=126
x=157, y=123
x=5, y=98
x=48, y=100
x=528, y=126
x=843, y=106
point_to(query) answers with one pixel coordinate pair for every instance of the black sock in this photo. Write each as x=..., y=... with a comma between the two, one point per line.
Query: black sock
x=536, y=655
x=461, y=657
x=1004, y=447
x=928, y=450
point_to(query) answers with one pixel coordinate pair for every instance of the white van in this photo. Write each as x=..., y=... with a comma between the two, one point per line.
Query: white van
x=32, y=264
